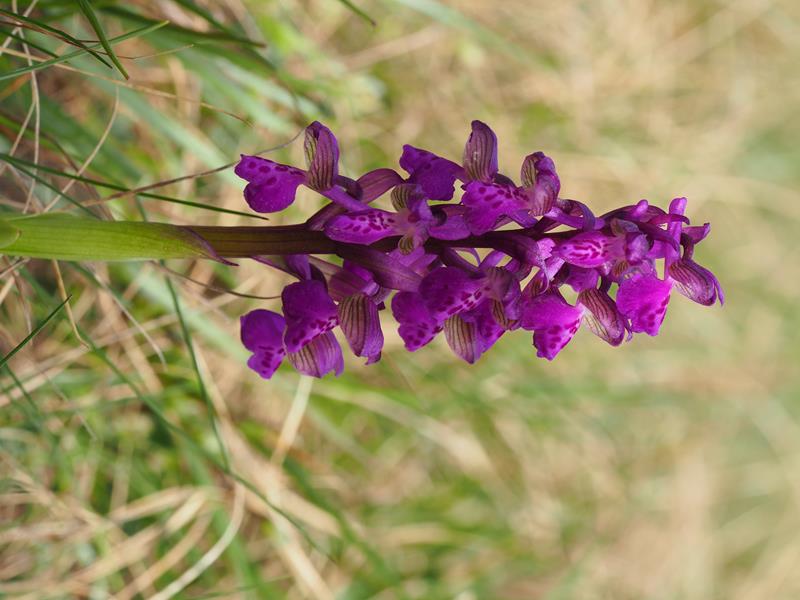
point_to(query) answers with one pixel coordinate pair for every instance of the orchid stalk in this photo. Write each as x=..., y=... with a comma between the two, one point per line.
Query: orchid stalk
x=499, y=259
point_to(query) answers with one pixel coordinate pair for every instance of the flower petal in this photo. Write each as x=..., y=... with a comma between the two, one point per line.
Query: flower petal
x=436, y=175
x=602, y=316
x=350, y=279
x=322, y=156
x=319, y=357
x=363, y=227
x=454, y=226
x=262, y=334
x=644, y=301
x=580, y=278
x=472, y=333
x=462, y=337
x=272, y=186
x=375, y=184
x=309, y=311
x=358, y=316
x=417, y=326
x=480, y=153
x=553, y=320
x=488, y=202
x=695, y=282
x=449, y=290
x=541, y=182
x=590, y=249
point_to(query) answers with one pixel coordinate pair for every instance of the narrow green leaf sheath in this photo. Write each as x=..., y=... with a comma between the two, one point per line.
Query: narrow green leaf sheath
x=66, y=237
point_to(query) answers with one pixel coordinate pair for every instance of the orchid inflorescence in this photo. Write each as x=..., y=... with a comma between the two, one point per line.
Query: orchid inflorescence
x=533, y=246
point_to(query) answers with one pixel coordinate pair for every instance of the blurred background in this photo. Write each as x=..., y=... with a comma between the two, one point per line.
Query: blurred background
x=140, y=458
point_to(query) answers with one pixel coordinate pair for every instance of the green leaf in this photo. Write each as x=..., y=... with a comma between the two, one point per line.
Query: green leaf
x=67, y=237
x=65, y=57
x=88, y=12
x=33, y=333
x=58, y=33
x=8, y=234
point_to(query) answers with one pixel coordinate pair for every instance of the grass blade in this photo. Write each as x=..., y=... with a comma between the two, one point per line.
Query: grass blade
x=33, y=333
x=65, y=57
x=88, y=12
x=120, y=188
x=63, y=35
x=358, y=11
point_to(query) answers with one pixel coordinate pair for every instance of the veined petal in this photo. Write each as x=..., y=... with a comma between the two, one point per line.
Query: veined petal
x=350, y=279
x=590, y=249
x=462, y=337
x=363, y=227
x=553, y=320
x=359, y=320
x=342, y=199
x=375, y=184
x=488, y=202
x=447, y=291
x=272, y=186
x=262, y=334
x=695, y=282
x=541, y=182
x=644, y=301
x=602, y=316
x=436, y=175
x=480, y=153
x=417, y=325
x=319, y=357
x=309, y=312
x=387, y=270
x=697, y=233
x=322, y=156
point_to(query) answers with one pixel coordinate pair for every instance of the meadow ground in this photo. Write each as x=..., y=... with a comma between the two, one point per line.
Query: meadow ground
x=668, y=468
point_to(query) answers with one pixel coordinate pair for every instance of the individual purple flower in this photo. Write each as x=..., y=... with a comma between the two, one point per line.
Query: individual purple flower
x=540, y=183
x=411, y=221
x=491, y=196
x=309, y=311
x=417, y=325
x=695, y=282
x=262, y=334
x=471, y=333
x=553, y=321
x=272, y=186
x=643, y=300
x=434, y=174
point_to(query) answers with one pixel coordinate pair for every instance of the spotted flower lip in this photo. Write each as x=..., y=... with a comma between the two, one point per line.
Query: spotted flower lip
x=272, y=186
x=501, y=257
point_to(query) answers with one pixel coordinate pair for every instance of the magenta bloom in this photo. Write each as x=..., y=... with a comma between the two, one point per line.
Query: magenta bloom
x=501, y=257
x=272, y=186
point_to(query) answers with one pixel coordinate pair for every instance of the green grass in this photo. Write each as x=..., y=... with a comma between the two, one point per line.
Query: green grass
x=139, y=455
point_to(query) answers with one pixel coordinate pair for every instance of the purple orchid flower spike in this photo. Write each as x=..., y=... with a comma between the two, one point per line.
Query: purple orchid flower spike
x=272, y=186
x=457, y=267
